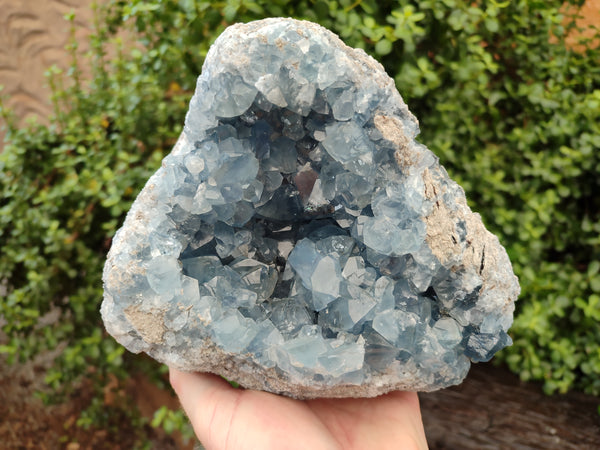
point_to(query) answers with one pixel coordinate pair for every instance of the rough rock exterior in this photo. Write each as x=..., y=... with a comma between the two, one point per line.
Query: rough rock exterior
x=299, y=240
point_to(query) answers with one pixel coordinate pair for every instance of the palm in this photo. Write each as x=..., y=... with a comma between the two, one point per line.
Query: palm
x=227, y=418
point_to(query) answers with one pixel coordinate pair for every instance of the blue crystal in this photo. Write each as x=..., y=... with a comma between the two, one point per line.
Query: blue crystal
x=398, y=328
x=299, y=227
x=346, y=141
x=235, y=96
x=288, y=316
x=345, y=356
x=163, y=274
x=234, y=331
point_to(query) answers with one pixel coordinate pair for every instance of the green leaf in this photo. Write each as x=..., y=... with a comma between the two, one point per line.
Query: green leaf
x=491, y=24
x=593, y=268
x=230, y=11
x=159, y=416
x=8, y=349
x=383, y=47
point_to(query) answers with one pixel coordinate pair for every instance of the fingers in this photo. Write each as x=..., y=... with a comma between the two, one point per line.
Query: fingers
x=413, y=417
x=206, y=399
x=388, y=421
x=228, y=418
x=189, y=385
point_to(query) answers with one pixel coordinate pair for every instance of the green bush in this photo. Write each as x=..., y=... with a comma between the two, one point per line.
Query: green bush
x=513, y=115
x=64, y=190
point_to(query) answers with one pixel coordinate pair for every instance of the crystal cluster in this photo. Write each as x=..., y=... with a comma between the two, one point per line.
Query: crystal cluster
x=299, y=240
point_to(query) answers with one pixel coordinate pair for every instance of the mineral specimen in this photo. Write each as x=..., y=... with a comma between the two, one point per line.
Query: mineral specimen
x=299, y=240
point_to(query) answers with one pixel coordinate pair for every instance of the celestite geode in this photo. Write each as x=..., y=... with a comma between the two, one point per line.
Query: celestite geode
x=299, y=240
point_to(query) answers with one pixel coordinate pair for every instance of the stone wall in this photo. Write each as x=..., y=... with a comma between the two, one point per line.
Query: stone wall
x=33, y=34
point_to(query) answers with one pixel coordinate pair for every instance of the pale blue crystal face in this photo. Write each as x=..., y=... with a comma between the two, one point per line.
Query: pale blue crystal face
x=284, y=225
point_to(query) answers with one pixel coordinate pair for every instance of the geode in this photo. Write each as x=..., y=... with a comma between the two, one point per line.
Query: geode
x=299, y=240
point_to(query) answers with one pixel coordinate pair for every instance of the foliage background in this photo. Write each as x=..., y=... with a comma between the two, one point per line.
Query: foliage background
x=513, y=114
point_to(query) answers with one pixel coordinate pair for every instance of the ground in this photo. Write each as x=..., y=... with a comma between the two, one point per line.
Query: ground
x=26, y=423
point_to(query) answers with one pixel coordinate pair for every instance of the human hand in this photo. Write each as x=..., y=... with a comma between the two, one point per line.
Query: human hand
x=227, y=418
